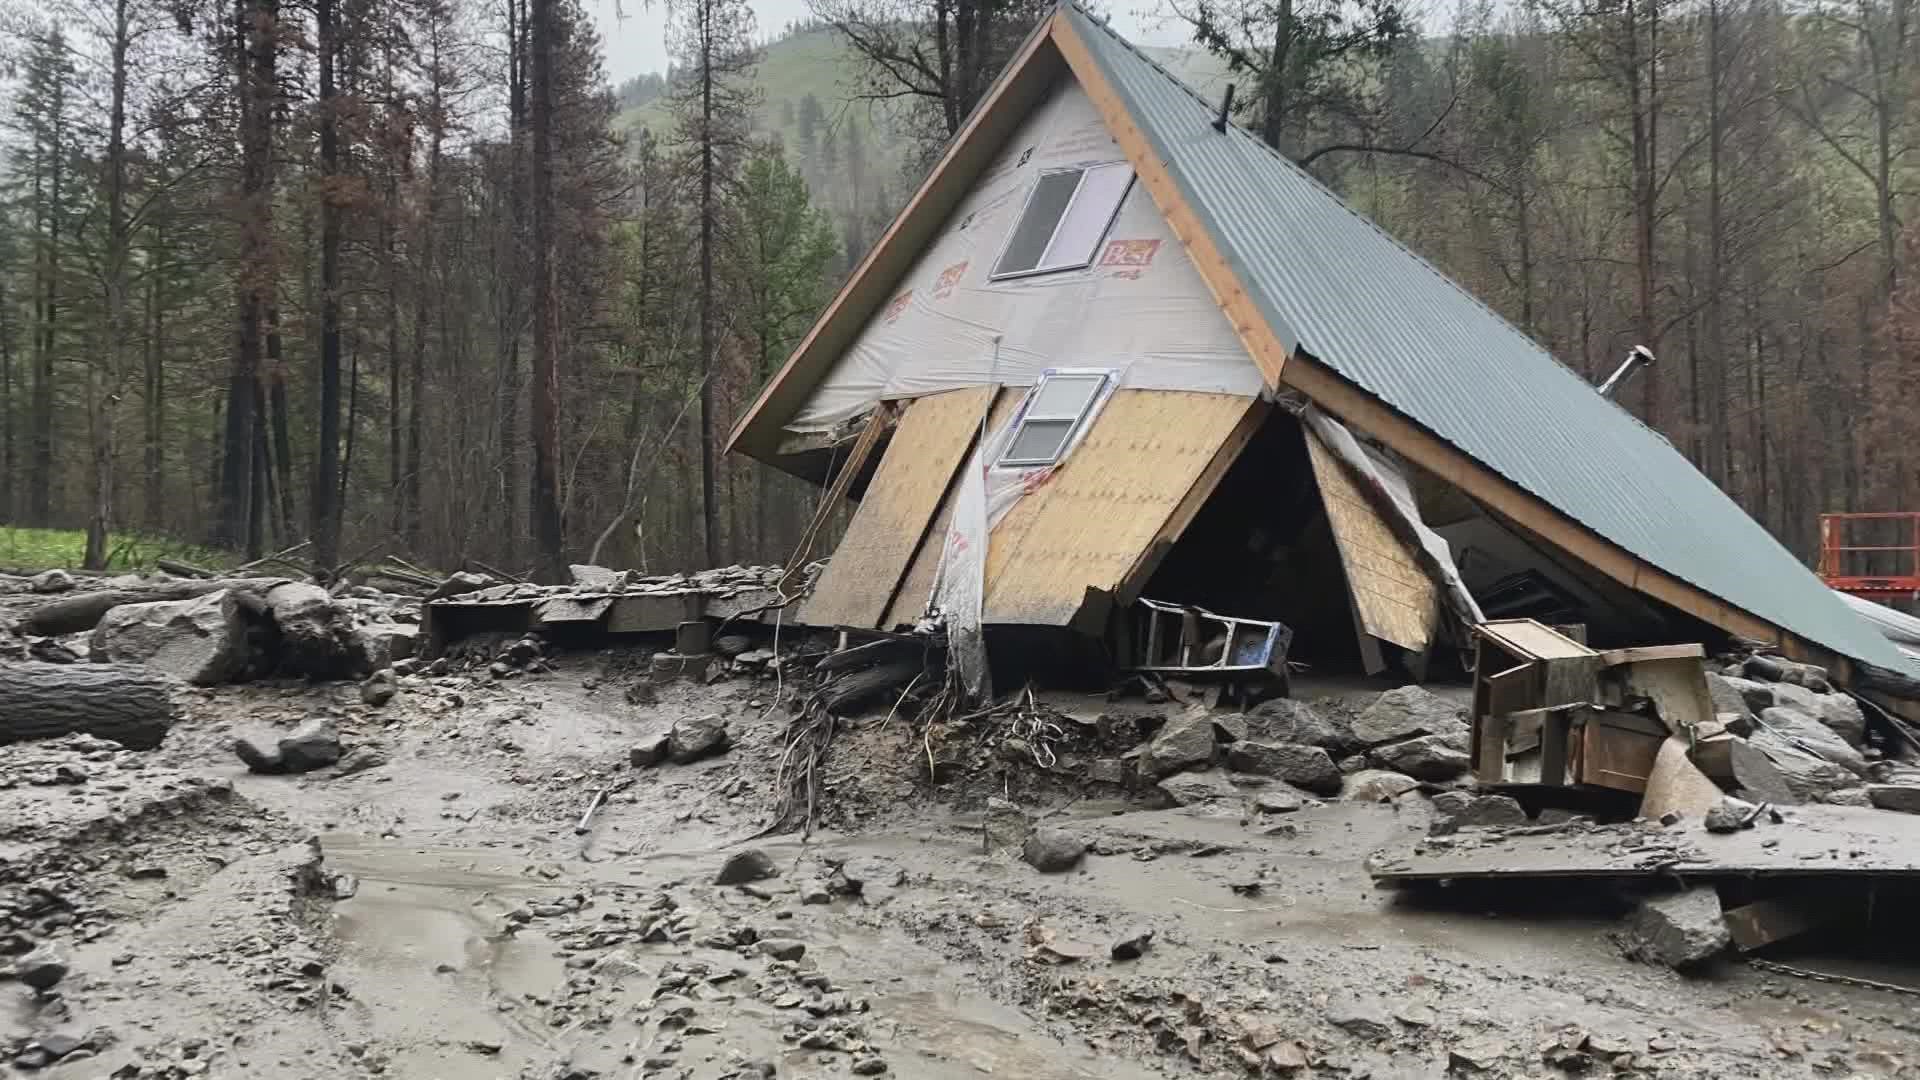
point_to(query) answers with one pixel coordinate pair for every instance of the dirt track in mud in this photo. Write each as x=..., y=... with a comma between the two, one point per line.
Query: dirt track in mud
x=449, y=921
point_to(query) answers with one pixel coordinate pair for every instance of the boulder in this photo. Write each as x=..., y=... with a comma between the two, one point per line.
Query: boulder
x=1376, y=785
x=1680, y=931
x=260, y=755
x=595, y=578
x=696, y=738
x=1813, y=736
x=1437, y=758
x=42, y=968
x=1288, y=721
x=1308, y=767
x=1900, y=797
x=1776, y=670
x=1456, y=810
x=1843, y=715
x=1405, y=713
x=382, y=644
x=1052, y=851
x=50, y=581
x=379, y=687
x=202, y=640
x=317, y=638
x=1183, y=742
x=1737, y=695
x=746, y=866
x=1203, y=788
x=458, y=583
x=313, y=745
x=1770, y=769
x=649, y=751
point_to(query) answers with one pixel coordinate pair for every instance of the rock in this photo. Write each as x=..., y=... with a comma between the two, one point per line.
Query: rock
x=42, y=968
x=1456, y=810
x=1275, y=801
x=814, y=891
x=1363, y=1018
x=360, y=759
x=1772, y=770
x=316, y=634
x=1737, y=695
x=1476, y=1055
x=1308, y=767
x=1131, y=946
x=457, y=583
x=379, y=688
x=1895, y=797
x=732, y=645
x=1847, y=797
x=1107, y=771
x=313, y=745
x=1680, y=931
x=643, y=693
x=1814, y=736
x=1376, y=785
x=781, y=948
x=697, y=738
x=1202, y=789
x=1437, y=758
x=1287, y=1056
x=1404, y=713
x=1288, y=721
x=260, y=755
x=1183, y=742
x=649, y=751
x=593, y=578
x=1052, y=851
x=744, y=866
x=387, y=644
x=203, y=640
x=869, y=1065
x=1229, y=727
x=50, y=581
x=1776, y=670
x=60, y=1044
x=1006, y=824
x=1729, y=816
x=1843, y=715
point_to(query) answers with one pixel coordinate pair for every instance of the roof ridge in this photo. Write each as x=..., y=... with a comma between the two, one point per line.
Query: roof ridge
x=1342, y=203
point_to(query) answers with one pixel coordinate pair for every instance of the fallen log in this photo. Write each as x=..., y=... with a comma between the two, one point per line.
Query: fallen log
x=181, y=569
x=128, y=703
x=82, y=611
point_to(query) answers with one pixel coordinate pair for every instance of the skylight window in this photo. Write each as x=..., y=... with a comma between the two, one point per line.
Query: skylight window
x=1065, y=219
x=1056, y=409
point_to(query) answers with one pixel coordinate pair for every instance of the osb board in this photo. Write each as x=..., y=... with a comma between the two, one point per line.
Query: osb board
x=1527, y=638
x=1094, y=518
x=934, y=434
x=1395, y=599
x=916, y=588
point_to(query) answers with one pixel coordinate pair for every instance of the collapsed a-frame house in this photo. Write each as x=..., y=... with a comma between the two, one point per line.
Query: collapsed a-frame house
x=1115, y=347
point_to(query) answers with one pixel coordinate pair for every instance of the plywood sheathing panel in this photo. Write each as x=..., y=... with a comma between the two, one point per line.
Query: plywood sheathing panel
x=1095, y=518
x=934, y=435
x=916, y=588
x=1395, y=600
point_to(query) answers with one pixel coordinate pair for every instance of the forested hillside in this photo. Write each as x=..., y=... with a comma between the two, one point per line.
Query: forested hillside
x=412, y=276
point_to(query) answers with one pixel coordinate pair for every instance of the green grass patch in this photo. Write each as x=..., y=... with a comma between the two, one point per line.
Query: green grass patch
x=46, y=549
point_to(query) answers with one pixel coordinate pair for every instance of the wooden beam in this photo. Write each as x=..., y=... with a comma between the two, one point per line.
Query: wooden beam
x=1266, y=348
x=1027, y=77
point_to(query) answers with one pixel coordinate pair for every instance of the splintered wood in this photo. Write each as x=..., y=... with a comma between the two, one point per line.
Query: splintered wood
x=1396, y=600
x=933, y=437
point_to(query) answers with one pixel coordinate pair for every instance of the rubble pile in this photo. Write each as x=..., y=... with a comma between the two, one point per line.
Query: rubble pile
x=1799, y=740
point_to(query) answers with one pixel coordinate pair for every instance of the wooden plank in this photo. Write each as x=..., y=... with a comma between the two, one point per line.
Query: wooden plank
x=1765, y=922
x=1556, y=728
x=877, y=422
x=1676, y=784
x=1616, y=657
x=1265, y=346
x=1677, y=686
x=1021, y=85
x=933, y=437
x=1490, y=748
x=1395, y=599
x=1856, y=842
x=916, y=586
x=1568, y=680
x=1093, y=518
x=1528, y=638
x=1512, y=690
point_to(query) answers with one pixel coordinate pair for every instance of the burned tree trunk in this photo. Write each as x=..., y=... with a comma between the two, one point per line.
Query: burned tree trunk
x=127, y=703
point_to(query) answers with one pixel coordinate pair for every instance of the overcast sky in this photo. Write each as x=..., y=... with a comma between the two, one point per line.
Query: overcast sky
x=636, y=40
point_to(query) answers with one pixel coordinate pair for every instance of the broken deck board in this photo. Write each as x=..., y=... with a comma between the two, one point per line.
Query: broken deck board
x=933, y=438
x=1813, y=841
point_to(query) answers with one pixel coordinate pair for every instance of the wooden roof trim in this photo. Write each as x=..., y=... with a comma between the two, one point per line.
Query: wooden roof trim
x=1027, y=76
x=1285, y=368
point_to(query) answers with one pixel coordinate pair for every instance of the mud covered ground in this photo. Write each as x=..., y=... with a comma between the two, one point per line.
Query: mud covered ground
x=430, y=910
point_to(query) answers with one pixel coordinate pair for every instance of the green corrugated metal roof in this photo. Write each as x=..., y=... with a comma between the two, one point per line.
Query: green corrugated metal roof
x=1334, y=285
